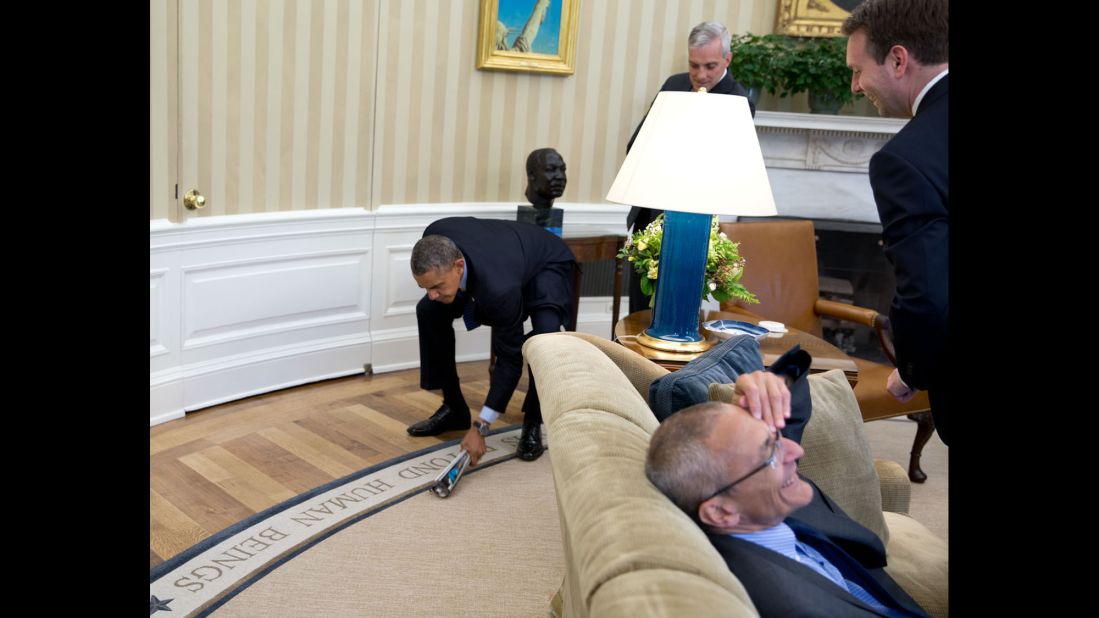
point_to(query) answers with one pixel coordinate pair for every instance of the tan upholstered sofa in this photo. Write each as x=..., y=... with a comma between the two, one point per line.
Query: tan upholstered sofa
x=629, y=551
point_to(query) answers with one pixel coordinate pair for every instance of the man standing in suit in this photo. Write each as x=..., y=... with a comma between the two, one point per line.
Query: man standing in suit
x=708, y=56
x=495, y=273
x=899, y=55
x=794, y=550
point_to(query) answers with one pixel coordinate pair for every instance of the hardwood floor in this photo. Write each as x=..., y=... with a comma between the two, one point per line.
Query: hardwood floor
x=218, y=466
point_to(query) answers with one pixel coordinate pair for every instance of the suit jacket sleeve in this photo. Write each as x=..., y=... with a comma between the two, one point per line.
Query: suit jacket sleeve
x=915, y=231
x=794, y=366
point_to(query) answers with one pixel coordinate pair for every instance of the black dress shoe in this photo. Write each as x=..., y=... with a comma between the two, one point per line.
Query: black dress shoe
x=442, y=421
x=530, y=442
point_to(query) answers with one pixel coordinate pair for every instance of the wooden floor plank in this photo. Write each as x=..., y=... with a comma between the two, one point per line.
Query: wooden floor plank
x=170, y=529
x=278, y=463
x=364, y=430
x=323, y=424
x=412, y=405
x=204, y=502
x=238, y=478
x=397, y=404
x=314, y=449
x=180, y=450
x=396, y=433
x=229, y=421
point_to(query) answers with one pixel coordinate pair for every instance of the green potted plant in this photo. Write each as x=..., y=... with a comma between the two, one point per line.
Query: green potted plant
x=786, y=65
x=819, y=66
x=755, y=61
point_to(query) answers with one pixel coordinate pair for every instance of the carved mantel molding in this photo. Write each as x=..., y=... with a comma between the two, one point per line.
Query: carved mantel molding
x=818, y=163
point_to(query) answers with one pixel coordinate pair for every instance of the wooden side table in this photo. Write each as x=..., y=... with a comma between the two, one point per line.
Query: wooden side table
x=597, y=248
x=825, y=355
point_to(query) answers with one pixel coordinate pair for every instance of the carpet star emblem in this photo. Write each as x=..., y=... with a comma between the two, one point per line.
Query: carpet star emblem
x=156, y=604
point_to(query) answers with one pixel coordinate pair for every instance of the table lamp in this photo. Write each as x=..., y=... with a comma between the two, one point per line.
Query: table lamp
x=695, y=156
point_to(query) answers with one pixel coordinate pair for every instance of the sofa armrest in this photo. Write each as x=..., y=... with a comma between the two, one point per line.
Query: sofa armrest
x=896, y=489
x=640, y=371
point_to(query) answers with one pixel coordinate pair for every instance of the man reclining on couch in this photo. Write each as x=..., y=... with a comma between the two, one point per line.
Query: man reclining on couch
x=796, y=552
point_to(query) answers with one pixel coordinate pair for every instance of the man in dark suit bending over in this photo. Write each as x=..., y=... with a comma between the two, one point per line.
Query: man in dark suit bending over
x=708, y=56
x=899, y=56
x=495, y=273
x=794, y=550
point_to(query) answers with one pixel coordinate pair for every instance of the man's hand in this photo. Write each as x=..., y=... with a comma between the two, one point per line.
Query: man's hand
x=897, y=388
x=765, y=396
x=474, y=444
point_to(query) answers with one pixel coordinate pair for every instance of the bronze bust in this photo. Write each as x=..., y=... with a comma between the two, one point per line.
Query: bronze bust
x=545, y=182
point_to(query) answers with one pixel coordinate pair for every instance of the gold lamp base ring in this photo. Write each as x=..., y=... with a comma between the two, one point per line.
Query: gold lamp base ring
x=683, y=347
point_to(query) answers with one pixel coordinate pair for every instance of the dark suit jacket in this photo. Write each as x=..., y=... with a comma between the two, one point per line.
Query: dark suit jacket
x=503, y=259
x=680, y=82
x=909, y=177
x=780, y=586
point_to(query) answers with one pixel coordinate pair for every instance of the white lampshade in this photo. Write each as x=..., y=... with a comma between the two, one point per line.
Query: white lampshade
x=696, y=153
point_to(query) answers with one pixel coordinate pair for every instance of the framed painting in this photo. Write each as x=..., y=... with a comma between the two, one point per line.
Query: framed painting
x=812, y=17
x=533, y=36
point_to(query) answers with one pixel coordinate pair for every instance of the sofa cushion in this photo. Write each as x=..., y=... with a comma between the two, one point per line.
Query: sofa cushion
x=837, y=453
x=722, y=363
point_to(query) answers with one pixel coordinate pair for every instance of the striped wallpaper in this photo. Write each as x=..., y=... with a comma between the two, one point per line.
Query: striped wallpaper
x=302, y=104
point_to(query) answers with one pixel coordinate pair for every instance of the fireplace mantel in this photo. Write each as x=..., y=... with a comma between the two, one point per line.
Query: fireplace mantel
x=817, y=163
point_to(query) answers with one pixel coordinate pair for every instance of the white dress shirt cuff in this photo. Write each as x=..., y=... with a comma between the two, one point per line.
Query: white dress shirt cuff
x=489, y=415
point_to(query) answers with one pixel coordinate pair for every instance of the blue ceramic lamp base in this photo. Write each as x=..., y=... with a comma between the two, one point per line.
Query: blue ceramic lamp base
x=683, y=250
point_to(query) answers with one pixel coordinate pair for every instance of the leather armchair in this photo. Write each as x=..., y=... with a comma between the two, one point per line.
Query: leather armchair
x=781, y=270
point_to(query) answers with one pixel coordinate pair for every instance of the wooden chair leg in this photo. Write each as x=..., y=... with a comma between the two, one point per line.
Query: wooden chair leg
x=924, y=429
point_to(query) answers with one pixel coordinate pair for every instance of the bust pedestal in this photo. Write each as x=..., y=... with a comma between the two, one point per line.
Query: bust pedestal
x=548, y=218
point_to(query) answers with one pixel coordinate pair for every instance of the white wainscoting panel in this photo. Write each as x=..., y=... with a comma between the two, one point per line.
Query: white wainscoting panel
x=258, y=303
x=273, y=296
x=157, y=306
x=165, y=388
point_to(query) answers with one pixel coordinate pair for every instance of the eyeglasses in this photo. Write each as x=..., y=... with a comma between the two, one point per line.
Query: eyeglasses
x=772, y=461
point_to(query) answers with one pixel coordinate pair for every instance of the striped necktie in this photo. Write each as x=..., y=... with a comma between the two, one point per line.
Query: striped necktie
x=467, y=314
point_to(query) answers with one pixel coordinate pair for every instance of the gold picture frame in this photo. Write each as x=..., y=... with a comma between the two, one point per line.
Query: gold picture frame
x=520, y=39
x=812, y=17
